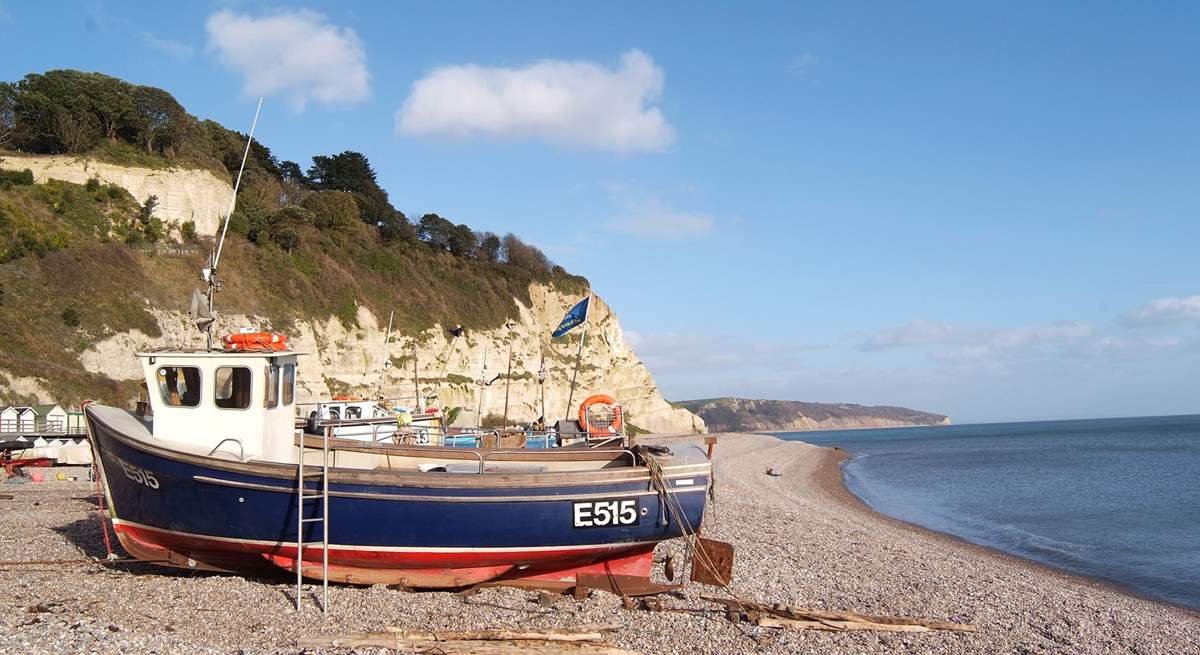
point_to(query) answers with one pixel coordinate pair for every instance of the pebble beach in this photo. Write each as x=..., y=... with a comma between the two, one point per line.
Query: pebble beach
x=801, y=539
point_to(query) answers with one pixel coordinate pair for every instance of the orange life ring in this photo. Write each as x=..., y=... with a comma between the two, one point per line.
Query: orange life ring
x=255, y=342
x=613, y=429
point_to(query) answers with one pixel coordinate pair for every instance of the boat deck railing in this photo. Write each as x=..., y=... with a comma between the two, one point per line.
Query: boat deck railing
x=472, y=441
x=430, y=431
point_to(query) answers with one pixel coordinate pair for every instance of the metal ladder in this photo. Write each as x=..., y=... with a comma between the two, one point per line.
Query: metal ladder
x=303, y=495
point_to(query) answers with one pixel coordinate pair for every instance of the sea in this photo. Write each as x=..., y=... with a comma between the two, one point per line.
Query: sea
x=1113, y=499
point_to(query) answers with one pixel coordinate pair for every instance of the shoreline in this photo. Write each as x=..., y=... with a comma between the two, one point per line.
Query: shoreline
x=830, y=478
x=772, y=433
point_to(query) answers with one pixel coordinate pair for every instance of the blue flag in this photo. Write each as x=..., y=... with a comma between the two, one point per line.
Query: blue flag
x=575, y=317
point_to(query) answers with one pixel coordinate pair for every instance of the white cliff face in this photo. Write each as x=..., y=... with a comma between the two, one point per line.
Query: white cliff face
x=183, y=194
x=351, y=360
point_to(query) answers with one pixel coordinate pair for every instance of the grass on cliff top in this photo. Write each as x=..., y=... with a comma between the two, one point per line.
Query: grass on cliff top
x=120, y=153
x=75, y=281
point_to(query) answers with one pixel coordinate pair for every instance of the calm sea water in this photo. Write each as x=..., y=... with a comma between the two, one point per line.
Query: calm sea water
x=1117, y=499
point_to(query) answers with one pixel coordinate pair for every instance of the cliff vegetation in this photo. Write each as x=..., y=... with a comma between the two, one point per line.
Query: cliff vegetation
x=82, y=262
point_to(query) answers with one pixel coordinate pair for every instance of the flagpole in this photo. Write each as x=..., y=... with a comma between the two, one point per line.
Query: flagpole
x=482, y=375
x=508, y=380
x=579, y=355
x=542, y=383
x=575, y=375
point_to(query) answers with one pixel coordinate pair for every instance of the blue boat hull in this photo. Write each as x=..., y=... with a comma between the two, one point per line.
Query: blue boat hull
x=417, y=529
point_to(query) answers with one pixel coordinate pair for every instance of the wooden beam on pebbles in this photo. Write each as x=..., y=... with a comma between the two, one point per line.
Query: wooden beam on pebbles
x=582, y=633
x=570, y=641
x=785, y=616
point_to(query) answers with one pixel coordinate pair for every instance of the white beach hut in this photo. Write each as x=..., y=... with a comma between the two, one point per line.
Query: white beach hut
x=50, y=418
x=25, y=419
x=9, y=417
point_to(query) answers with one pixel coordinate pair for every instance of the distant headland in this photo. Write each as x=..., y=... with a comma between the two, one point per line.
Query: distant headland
x=746, y=415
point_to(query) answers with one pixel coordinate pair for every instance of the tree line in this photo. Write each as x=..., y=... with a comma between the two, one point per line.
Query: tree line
x=73, y=112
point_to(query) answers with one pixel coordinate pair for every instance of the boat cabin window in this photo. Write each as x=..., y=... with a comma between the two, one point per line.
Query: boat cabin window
x=335, y=414
x=289, y=383
x=353, y=412
x=271, y=400
x=232, y=387
x=179, y=385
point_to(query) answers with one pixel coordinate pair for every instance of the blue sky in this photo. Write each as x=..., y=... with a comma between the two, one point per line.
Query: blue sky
x=986, y=211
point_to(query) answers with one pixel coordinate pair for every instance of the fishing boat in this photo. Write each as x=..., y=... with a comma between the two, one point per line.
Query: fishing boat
x=218, y=474
x=218, y=477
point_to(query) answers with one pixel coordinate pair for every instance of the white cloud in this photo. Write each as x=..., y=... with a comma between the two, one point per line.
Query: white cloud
x=653, y=219
x=295, y=53
x=578, y=103
x=667, y=352
x=952, y=343
x=914, y=333
x=1167, y=310
x=803, y=65
x=1060, y=370
x=176, y=49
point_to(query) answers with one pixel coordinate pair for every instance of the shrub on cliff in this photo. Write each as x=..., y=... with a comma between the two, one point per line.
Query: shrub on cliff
x=332, y=210
x=10, y=179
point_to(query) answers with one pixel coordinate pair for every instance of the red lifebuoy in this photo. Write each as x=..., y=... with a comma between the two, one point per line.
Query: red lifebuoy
x=611, y=430
x=255, y=342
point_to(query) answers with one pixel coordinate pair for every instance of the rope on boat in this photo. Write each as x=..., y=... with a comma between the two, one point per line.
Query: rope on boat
x=100, y=509
x=691, y=535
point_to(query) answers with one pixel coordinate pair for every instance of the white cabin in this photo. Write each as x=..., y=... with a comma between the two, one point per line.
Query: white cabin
x=26, y=418
x=238, y=404
x=50, y=418
x=9, y=418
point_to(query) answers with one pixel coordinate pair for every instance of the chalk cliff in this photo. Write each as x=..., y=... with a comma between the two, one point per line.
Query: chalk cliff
x=351, y=360
x=744, y=415
x=183, y=194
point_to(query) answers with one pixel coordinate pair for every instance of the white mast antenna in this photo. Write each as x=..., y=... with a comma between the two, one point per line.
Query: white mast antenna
x=210, y=273
x=237, y=185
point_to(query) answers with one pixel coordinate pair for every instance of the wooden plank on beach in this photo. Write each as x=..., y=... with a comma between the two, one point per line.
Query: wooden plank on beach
x=809, y=618
x=472, y=647
x=580, y=640
x=585, y=633
x=836, y=626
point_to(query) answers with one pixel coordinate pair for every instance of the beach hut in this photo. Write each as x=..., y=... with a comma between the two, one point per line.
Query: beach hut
x=25, y=419
x=50, y=418
x=8, y=418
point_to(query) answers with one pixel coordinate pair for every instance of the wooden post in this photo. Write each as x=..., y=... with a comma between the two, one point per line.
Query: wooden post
x=386, y=364
x=416, y=381
x=711, y=442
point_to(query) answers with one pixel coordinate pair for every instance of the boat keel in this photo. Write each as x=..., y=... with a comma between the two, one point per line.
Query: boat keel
x=444, y=578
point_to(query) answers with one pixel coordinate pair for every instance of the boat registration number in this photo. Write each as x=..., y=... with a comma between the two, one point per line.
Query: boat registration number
x=606, y=513
x=138, y=474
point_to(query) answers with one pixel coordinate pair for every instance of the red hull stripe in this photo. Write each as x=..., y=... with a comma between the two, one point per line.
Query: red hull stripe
x=375, y=555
